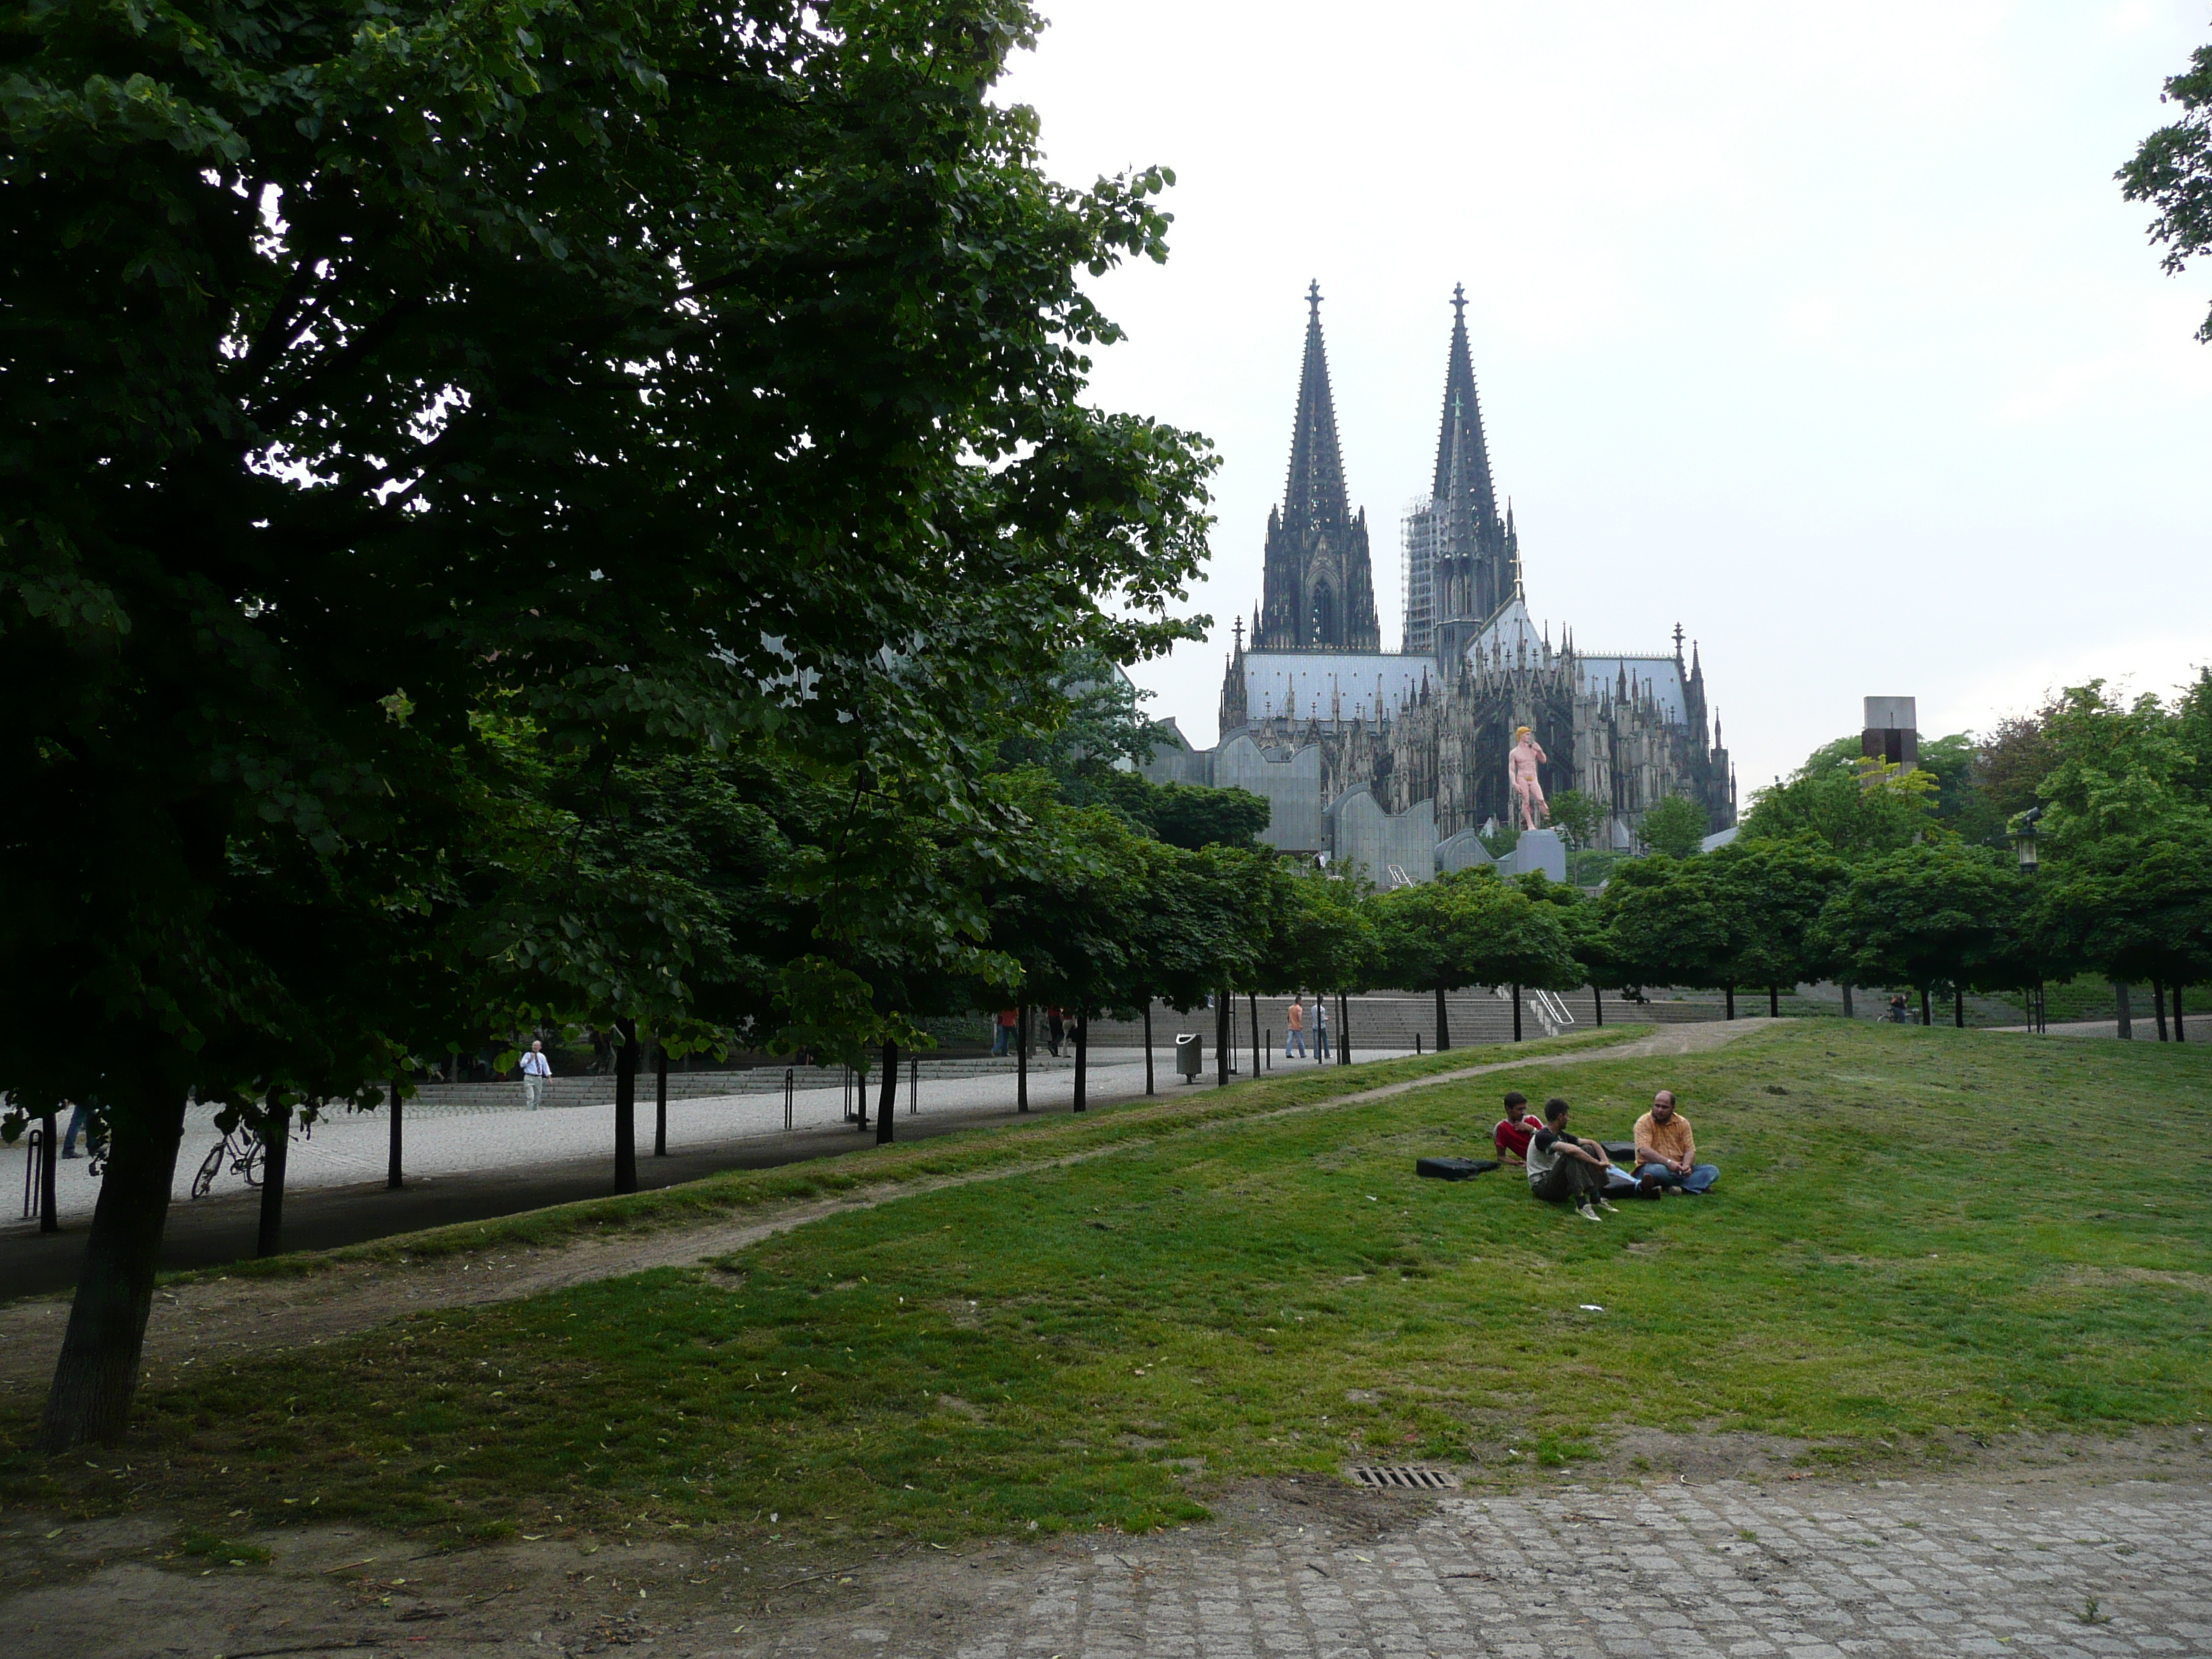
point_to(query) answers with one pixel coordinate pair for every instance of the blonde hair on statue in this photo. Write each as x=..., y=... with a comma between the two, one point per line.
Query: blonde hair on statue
x=1520, y=732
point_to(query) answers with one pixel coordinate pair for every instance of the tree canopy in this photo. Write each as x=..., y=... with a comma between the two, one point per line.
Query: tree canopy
x=653, y=380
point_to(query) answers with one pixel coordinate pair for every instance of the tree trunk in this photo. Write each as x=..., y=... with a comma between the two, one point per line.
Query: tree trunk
x=1253, y=998
x=1517, y=1014
x=1597, y=1003
x=2179, y=1036
x=1958, y=1006
x=2121, y=1012
x=1082, y=1058
x=2158, y=1001
x=626, y=1106
x=1774, y=1002
x=49, y=1216
x=1343, y=1032
x=392, y=1180
x=1728, y=991
x=276, y=1150
x=1148, y=1044
x=98, y=1371
x=1846, y=990
x=1022, y=1062
x=1222, y=1038
x=1924, y=1018
x=885, y=1117
x=1443, y=1029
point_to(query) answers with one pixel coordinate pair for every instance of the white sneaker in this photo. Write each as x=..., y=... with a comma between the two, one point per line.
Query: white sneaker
x=1589, y=1214
x=1607, y=1204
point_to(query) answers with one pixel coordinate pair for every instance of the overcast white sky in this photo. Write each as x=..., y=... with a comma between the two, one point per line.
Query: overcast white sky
x=1823, y=330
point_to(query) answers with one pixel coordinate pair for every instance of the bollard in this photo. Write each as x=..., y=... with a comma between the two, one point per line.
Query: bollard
x=1417, y=1042
x=34, y=1168
x=913, y=1088
x=788, y=1085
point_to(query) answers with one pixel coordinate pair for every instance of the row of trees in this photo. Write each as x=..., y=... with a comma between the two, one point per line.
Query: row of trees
x=525, y=516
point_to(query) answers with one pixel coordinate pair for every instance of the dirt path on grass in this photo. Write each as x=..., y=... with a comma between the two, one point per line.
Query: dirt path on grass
x=196, y=1323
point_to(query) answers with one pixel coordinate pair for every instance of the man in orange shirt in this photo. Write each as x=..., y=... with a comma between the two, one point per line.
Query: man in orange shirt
x=1666, y=1150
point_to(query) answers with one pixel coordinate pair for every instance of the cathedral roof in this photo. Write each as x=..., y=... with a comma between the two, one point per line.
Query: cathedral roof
x=1512, y=634
x=1311, y=683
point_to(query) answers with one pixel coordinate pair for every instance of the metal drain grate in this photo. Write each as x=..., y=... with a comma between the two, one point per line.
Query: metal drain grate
x=1404, y=1475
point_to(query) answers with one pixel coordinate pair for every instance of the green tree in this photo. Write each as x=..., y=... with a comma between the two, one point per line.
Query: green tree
x=1940, y=912
x=1772, y=894
x=1580, y=815
x=1674, y=826
x=2136, y=907
x=1470, y=927
x=2172, y=171
x=1185, y=815
x=1668, y=923
x=661, y=376
x=1855, y=805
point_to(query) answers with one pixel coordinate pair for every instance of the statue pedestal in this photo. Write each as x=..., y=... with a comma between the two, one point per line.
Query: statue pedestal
x=1536, y=849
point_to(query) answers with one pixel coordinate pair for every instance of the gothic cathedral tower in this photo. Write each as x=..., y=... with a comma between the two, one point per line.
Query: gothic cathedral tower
x=1319, y=593
x=1462, y=561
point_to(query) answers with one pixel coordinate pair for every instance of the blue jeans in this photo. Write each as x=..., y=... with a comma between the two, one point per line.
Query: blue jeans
x=1294, y=1040
x=1003, y=1043
x=75, y=1128
x=1700, y=1178
x=1321, y=1041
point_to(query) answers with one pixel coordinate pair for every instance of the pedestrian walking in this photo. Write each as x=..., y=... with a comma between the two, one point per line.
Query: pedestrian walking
x=1002, y=1041
x=536, y=1068
x=1294, y=1030
x=1056, y=1028
x=77, y=1126
x=1320, y=1026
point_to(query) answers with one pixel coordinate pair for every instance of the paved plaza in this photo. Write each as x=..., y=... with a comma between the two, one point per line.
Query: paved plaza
x=1731, y=1568
x=489, y=1137
x=1722, y=1570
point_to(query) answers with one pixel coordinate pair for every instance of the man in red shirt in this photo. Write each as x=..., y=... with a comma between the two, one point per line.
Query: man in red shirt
x=1514, y=1129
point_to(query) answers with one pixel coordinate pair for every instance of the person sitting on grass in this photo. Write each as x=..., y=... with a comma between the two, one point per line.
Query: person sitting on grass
x=1514, y=1129
x=1667, y=1152
x=1562, y=1168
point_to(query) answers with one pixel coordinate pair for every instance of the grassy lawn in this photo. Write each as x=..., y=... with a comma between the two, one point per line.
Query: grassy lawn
x=1916, y=1230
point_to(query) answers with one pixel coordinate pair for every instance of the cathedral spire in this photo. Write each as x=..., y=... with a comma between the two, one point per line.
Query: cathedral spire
x=1462, y=456
x=1316, y=492
x=1318, y=584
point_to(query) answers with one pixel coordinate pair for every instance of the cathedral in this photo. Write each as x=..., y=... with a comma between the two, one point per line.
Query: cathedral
x=1397, y=760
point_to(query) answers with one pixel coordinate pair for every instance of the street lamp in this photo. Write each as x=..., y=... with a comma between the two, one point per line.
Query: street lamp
x=2023, y=842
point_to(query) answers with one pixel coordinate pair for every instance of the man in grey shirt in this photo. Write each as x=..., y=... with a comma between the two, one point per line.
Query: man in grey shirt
x=1563, y=1170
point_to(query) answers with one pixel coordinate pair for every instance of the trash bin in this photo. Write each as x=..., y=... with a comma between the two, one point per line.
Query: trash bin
x=1190, y=1055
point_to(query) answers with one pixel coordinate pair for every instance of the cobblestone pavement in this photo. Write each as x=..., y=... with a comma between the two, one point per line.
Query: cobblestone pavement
x=2071, y=1558
x=1727, y=1570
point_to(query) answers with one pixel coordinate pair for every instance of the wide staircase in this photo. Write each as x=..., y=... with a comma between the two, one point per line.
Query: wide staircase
x=1387, y=1021
x=1391, y=1021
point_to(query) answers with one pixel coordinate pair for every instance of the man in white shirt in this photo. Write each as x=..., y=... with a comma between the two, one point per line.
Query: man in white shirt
x=1321, y=1025
x=535, y=1070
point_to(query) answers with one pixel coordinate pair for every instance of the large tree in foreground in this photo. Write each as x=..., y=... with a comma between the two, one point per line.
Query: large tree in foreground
x=662, y=375
x=2172, y=171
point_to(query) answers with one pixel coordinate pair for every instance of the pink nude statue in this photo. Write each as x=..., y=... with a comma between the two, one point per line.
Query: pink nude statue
x=1521, y=768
